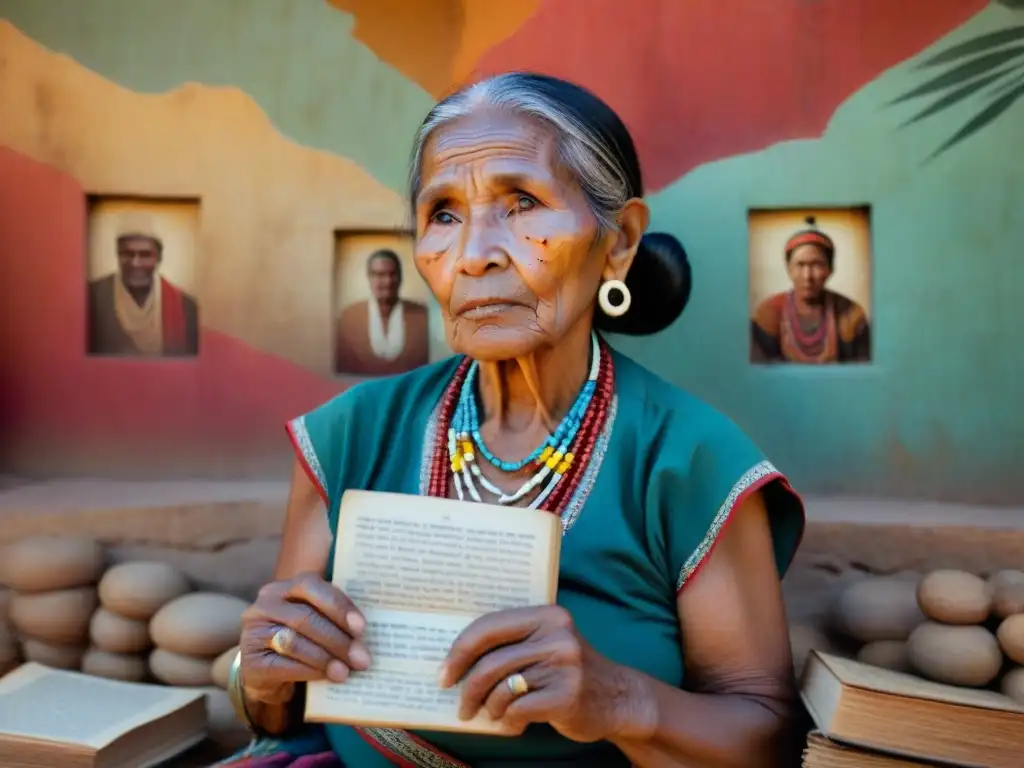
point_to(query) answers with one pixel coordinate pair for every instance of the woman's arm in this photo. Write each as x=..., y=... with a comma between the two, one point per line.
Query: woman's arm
x=740, y=706
x=305, y=546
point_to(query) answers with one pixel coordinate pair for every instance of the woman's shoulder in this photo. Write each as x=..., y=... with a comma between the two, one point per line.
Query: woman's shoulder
x=699, y=466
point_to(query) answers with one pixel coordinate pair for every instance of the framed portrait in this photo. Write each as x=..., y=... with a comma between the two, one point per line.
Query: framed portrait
x=140, y=278
x=810, y=286
x=386, y=320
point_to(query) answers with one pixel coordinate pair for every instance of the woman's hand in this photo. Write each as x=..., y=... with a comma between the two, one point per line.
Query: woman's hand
x=316, y=628
x=583, y=695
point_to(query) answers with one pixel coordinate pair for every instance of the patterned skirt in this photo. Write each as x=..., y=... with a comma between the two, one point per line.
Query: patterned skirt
x=308, y=750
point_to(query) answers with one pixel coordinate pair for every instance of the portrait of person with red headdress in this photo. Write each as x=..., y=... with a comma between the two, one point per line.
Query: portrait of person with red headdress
x=810, y=323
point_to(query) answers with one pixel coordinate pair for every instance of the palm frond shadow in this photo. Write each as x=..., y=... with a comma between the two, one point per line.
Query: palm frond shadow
x=989, y=67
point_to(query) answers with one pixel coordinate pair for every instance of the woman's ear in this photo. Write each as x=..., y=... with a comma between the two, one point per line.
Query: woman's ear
x=632, y=221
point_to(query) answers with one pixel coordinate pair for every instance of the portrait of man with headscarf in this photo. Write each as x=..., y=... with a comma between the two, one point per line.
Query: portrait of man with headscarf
x=136, y=311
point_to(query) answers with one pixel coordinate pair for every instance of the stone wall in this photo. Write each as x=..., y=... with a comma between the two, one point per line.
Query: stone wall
x=226, y=536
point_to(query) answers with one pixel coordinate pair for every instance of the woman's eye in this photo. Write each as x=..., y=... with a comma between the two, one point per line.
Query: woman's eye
x=523, y=204
x=443, y=217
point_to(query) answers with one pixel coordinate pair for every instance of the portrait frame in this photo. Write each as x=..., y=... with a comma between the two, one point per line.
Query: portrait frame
x=110, y=332
x=814, y=309
x=350, y=290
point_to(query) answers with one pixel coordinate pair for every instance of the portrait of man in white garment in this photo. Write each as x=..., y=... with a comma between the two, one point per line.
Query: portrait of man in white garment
x=385, y=333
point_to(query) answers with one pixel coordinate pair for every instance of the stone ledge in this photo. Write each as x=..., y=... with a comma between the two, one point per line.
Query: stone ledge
x=213, y=513
x=202, y=515
x=225, y=534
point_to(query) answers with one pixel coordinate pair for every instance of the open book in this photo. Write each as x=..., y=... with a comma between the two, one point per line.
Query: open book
x=822, y=752
x=51, y=717
x=421, y=569
x=905, y=715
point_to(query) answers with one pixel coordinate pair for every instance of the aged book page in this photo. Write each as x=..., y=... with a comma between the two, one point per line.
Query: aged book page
x=42, y=704
x=422, y=569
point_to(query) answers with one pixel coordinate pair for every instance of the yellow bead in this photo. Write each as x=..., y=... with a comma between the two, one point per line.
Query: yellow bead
x=563, y=467
x=569, y=457
x=546, y=454
x=467, y=447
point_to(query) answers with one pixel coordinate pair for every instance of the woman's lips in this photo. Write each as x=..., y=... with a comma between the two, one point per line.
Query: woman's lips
x=483, y=310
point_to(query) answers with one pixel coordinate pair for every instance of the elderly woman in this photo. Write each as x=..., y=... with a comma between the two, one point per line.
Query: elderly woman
x=668, y=645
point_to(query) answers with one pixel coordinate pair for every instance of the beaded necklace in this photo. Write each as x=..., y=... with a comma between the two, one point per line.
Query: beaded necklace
x=816, y=345
x=558, y=461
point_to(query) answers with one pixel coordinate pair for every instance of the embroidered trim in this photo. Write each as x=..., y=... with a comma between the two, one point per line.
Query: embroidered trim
x=753, y=478
x=409, y=748
x=309, y=456
x=575, y=506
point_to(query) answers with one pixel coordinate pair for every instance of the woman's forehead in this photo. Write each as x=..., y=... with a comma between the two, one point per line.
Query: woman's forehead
x=809, y=252
x=491, y=142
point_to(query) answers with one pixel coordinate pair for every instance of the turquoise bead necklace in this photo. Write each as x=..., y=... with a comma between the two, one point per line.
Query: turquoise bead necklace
x=552, y=457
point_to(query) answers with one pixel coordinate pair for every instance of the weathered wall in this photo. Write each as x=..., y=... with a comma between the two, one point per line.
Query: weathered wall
x=291, y=120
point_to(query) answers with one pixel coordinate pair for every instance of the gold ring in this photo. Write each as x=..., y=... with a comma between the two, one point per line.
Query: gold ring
x=517, y=684
x=282, y=640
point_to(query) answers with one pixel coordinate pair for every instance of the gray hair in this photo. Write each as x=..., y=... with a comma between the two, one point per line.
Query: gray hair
x=592, y=143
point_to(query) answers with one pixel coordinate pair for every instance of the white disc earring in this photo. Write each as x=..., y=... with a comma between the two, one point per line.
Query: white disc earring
x=604, y=298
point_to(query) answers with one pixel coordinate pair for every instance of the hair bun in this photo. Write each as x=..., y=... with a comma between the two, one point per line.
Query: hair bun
x=659, y=282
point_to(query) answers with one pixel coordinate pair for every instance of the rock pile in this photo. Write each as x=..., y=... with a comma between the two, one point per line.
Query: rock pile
x=190, y=633
x=53, y=583
x=949, y=626
x=130, y=595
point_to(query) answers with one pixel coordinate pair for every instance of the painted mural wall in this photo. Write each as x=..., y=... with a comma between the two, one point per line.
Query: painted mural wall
x=257, y=137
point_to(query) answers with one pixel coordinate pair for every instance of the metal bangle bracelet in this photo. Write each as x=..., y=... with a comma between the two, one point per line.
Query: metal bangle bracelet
x=237, y=694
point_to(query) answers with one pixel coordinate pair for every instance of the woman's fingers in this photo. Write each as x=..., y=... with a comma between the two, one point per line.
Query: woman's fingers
x=285, y=641
x=275, y=670
x=490, y=632
x=300, y=605
x=486, y=680
x=543, y=706
x=329, y=601
x=317, y=629
x=301, y=630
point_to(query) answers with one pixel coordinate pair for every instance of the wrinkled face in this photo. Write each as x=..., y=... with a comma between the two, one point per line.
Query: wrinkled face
x=137, y=258
x=384, y=279
x=808, y=269
x=504, y=237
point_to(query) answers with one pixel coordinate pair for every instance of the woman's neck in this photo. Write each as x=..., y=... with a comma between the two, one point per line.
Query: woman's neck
x=540, y=387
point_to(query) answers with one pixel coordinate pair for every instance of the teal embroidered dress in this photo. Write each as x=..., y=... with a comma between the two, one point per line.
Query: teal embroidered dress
x=665, y=474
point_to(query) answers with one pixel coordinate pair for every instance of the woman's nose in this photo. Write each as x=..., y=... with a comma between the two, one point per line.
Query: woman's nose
x=483, y=247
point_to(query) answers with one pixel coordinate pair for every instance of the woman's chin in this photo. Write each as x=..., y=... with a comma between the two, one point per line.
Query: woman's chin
x=493, y=342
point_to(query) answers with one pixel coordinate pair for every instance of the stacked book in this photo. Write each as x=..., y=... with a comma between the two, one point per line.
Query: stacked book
x=868, y=717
